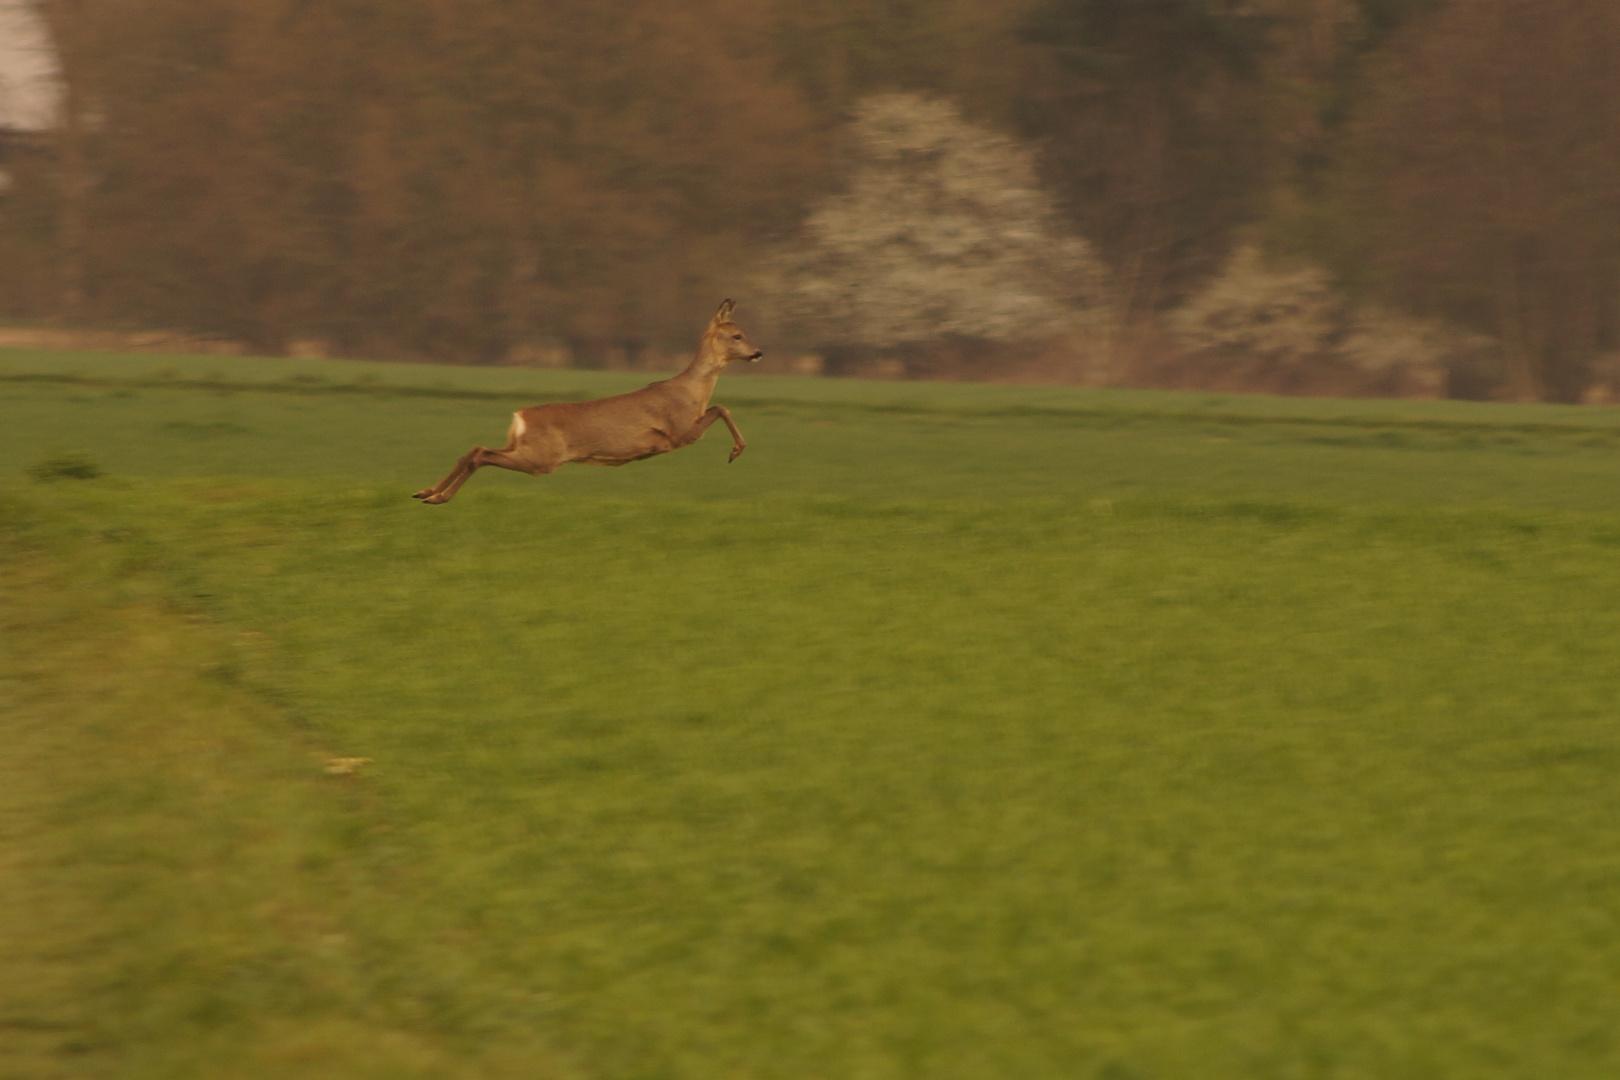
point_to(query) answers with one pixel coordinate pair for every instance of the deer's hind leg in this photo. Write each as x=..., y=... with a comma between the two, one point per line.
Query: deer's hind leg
x=471, y=462
x=458, y=475
x=511, y=456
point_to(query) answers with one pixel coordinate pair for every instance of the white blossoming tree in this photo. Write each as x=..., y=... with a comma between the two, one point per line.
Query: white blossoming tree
x=942, y=232
x=1261, y=327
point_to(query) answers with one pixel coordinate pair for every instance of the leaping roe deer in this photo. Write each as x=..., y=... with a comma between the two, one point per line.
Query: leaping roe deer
x=656, y=419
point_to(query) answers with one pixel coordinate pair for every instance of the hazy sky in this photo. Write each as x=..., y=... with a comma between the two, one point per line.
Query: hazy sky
x=26, y=89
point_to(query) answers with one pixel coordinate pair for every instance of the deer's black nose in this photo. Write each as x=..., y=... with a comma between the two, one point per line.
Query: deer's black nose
x=758, y=354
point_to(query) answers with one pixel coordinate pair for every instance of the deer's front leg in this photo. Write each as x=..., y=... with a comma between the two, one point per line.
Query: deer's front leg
x=695, y=432
x=738, y=443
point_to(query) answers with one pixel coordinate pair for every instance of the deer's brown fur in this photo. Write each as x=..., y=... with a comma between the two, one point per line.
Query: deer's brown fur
x=656, y=419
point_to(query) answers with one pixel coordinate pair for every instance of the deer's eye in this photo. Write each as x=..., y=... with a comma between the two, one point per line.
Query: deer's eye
x=736, y=337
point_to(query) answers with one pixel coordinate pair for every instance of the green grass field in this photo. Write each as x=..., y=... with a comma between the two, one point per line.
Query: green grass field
x=952, y=732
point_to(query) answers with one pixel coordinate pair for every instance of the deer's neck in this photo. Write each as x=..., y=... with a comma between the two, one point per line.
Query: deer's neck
x=701, y=374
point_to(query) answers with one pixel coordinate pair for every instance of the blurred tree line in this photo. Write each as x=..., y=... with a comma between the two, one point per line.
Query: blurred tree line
x=466, y=179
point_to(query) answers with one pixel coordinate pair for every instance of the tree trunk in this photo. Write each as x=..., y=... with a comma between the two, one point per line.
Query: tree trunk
x=65, y=21
x=1523, y=366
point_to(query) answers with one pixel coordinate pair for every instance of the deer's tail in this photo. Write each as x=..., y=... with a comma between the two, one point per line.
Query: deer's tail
x=515, y=432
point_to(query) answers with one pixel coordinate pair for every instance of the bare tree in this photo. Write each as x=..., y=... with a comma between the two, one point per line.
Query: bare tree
x=1483, y=175
x=1155, y=119
x=71, y=28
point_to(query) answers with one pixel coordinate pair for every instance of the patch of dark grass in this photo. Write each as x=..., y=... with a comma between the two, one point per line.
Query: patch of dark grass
x=204, y=429
x=65, y=467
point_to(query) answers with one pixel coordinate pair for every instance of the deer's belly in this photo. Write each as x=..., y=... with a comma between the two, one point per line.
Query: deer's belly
x=625, y=455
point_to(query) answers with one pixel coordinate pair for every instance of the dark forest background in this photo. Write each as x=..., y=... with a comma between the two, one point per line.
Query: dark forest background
x=482, y=181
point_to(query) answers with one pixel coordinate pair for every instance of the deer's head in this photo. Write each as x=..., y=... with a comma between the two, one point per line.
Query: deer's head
x=727, y=337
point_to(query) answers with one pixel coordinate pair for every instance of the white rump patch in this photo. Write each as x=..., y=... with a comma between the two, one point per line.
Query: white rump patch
x=518, y=426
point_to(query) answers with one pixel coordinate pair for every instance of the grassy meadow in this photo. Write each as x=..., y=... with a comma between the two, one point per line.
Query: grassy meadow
x=952, y=732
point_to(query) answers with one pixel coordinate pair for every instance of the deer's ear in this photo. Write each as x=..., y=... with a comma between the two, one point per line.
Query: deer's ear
x=724, y=314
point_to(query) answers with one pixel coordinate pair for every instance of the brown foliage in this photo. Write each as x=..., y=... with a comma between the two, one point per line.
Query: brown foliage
x=424, y=176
